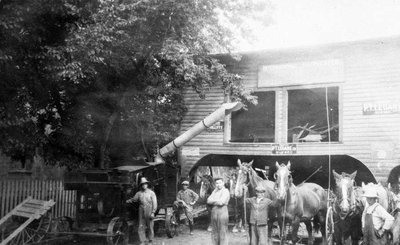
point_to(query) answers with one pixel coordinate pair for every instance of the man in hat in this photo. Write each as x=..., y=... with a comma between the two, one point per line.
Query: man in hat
x=219, y=199
x=376, y=221
x=258, y=217
x=185, y=199
x=147, y=207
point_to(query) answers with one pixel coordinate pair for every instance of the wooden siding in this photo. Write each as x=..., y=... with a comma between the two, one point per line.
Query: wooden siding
x=372, y=74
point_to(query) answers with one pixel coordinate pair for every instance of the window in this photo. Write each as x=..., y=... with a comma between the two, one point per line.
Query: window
x=257, y=124
x=307, y=119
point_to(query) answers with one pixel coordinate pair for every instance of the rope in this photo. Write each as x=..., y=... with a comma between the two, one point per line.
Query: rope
x=245, y=215
x=329, y=141
x=284, y=216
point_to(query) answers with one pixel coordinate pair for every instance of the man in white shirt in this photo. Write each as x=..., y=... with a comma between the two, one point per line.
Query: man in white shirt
x=376, y=221
x=219, y=199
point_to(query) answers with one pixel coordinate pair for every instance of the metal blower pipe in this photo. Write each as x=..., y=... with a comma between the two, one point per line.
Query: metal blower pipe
x=207, y=122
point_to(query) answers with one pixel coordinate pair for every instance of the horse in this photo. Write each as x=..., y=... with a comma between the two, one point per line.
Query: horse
x=237, y=202
x=247, y=176
x=300, y=203
x=347, y=209
x=207, y=185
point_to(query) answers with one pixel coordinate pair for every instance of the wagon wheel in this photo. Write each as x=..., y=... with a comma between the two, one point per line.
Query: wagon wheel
x=63, y=224
x=41, y=228
x=329, y=226
x=117, y=232
x=35, y=231
x=171, y=225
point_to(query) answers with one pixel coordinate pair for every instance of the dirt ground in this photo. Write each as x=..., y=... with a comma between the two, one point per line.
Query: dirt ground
x=201, y=236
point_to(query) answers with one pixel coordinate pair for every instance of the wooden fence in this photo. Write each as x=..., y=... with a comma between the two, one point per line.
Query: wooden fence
x=12, y=192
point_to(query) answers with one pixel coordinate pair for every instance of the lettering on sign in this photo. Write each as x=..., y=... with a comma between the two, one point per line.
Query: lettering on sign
x=216, y=127
x=191, y=151
x=380, y=108
x=284, y=149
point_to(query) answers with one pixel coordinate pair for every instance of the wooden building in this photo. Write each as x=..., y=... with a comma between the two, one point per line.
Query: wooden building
x=338, y=102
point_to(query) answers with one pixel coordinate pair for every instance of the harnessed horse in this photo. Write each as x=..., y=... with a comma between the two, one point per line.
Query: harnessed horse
x=207, y=185
x=347, y=209
x=247, y=176
x=299, y=203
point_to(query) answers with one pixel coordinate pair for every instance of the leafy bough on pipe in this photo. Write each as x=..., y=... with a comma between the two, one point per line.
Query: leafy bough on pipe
x=207, y=122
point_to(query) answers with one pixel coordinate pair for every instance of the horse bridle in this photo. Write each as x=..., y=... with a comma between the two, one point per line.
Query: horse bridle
x=352, y=201
x=289, y=180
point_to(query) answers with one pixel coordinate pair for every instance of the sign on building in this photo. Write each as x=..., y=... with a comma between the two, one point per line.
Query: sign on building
x=284, y=149
x=372, y=108
x=216, y=127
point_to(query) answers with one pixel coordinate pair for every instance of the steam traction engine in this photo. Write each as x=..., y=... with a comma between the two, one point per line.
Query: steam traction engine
x=101, y=194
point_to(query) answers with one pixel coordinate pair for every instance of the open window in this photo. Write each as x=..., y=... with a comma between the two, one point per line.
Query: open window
x=307, y=114
x=257, y=124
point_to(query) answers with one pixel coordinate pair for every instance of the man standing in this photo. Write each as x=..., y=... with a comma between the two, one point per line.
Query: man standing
x=259, y=217
x=219, y=199
x=185, y=199
x=376, y=221
x=147, y=207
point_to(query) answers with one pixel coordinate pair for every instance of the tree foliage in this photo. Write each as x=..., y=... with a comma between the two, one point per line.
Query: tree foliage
x=94, y=82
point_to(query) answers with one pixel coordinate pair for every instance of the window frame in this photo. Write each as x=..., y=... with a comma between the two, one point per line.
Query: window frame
x=281, y=115
x=228, y=121
x=340, y=111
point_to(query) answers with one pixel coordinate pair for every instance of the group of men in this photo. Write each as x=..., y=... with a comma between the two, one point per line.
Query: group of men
x=376, y=221
x=218, y=200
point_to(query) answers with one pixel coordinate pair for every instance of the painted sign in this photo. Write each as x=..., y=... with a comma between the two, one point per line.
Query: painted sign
x=296, y=73
x=380, y=108
x=216, y=127
x=191, y=151
x=284, y=149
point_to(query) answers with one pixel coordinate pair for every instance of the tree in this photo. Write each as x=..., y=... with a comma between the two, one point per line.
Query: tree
x=112, y=82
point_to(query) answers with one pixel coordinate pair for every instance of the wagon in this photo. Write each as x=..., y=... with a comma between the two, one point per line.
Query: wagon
x=29, y=222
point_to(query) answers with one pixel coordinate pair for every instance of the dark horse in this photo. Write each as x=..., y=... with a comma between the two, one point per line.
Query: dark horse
x=206, y=188
x=247, y=176
x=347, y=209
x=300, y=203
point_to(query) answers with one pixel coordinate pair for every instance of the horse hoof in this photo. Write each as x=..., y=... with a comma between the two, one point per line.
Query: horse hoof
x=209, y=229
x=235, y=230
x=242, y=230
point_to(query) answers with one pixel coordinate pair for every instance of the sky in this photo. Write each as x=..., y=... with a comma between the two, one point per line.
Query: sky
x=311, y=22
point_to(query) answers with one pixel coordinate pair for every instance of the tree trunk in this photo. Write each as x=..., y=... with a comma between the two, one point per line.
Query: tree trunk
x=107, y=132
x=144, y=144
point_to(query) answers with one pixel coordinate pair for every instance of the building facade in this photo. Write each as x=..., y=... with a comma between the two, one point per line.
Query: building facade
x=337, y=103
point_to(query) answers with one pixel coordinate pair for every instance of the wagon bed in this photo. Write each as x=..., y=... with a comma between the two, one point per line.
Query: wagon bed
x=28, y=222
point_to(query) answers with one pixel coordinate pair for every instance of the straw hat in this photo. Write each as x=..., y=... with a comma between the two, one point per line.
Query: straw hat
x=143, y=180
x=370, y=193
x=185, y=182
